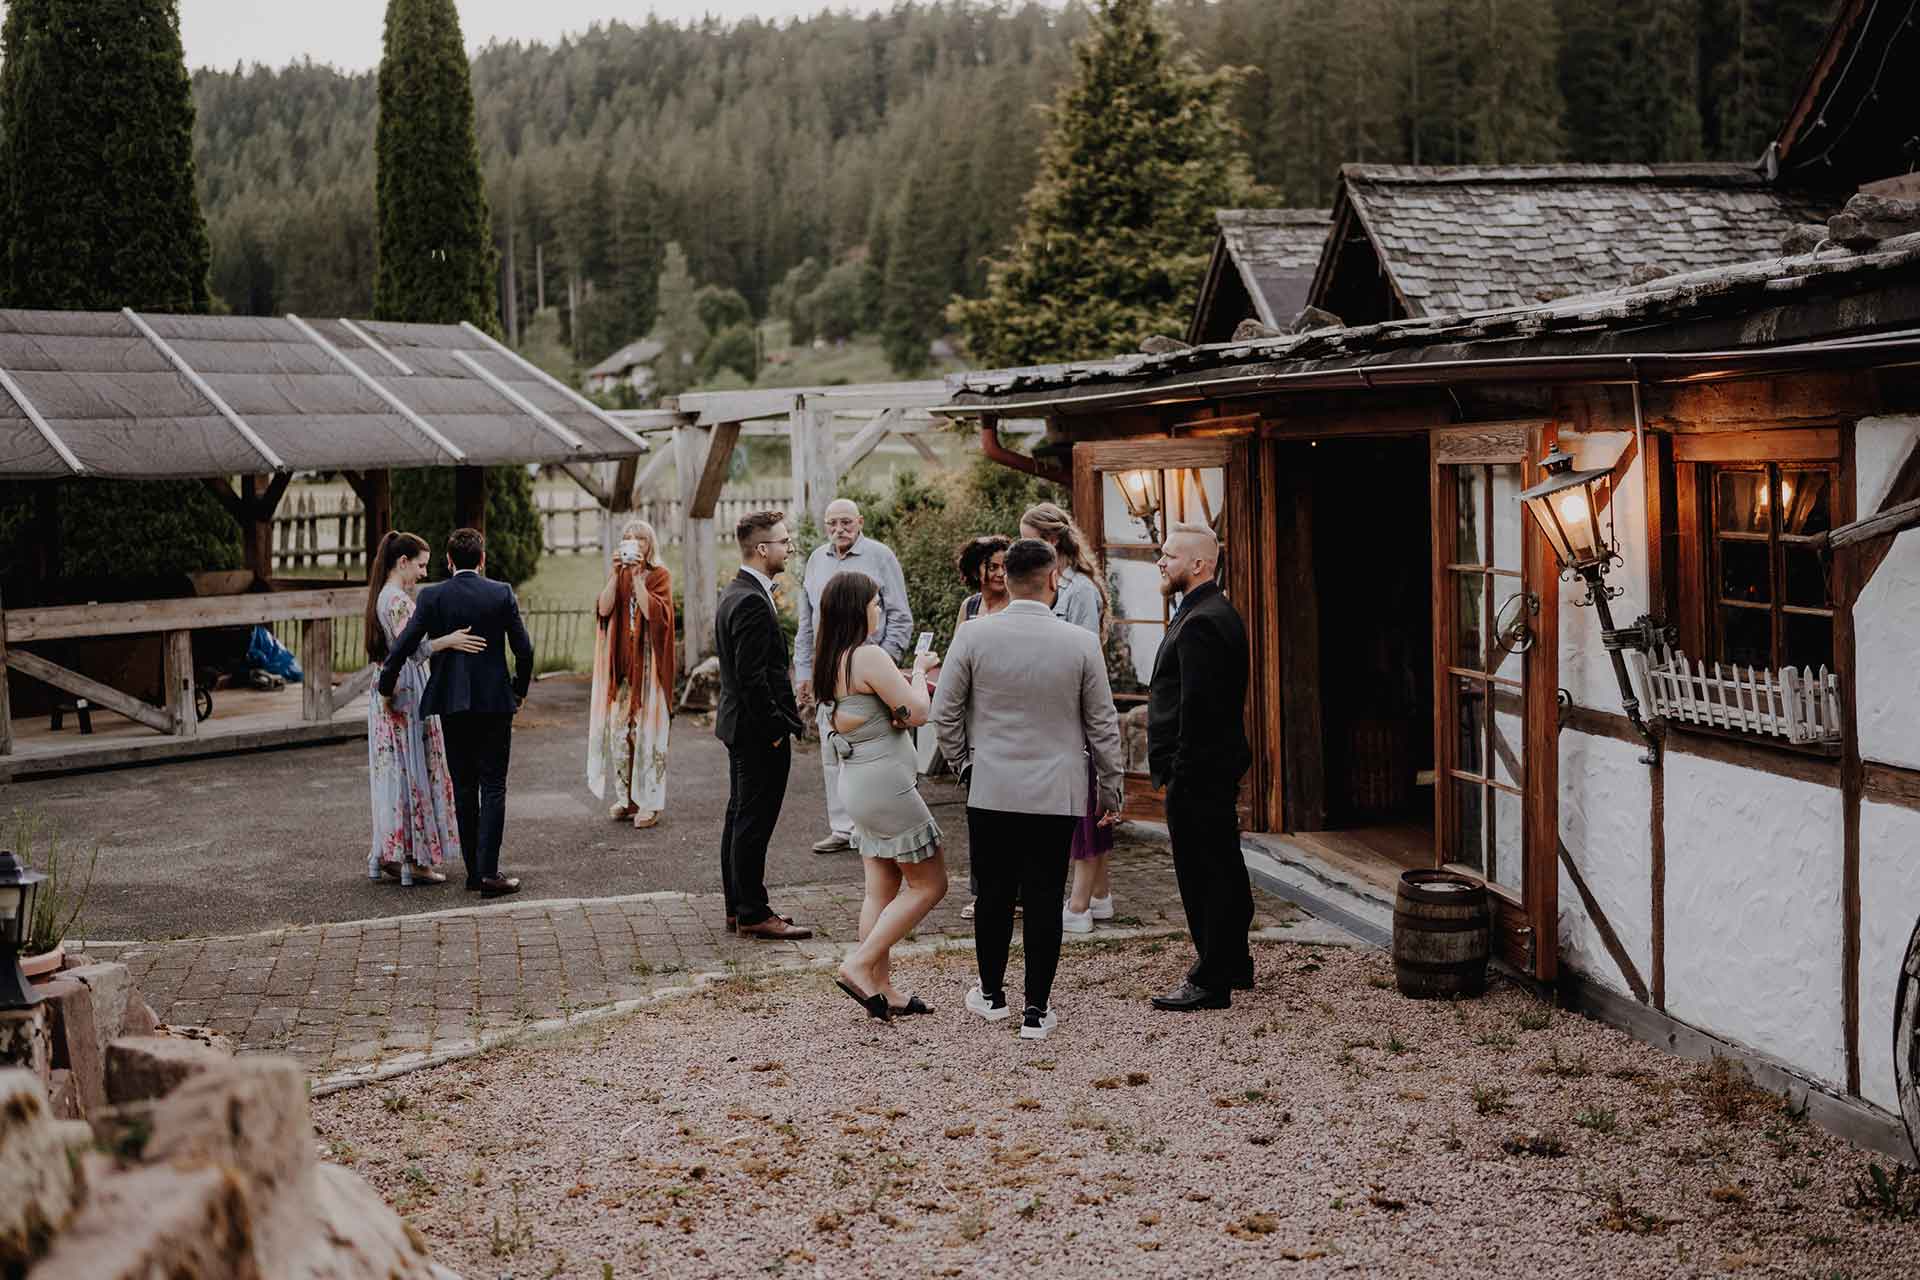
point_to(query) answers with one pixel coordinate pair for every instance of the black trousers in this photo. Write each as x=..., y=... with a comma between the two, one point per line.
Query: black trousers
x=1018, y=855
x=757, y=787
x=1205, y=833
x=479, y=745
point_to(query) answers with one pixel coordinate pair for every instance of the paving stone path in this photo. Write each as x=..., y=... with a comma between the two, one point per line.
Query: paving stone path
x=369, y=998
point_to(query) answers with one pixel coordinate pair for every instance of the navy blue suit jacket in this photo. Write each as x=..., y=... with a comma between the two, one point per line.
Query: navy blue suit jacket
x=467, y=681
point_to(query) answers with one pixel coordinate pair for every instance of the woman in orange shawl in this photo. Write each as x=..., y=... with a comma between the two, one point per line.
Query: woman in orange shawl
x=633, y=681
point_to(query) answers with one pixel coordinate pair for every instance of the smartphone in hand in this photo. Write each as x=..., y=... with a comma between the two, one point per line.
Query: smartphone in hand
x=924, y=643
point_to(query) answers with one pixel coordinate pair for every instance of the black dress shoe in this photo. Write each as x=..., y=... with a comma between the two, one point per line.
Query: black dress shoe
x=499, y=886
x=1244, y=982
x=1186, y=997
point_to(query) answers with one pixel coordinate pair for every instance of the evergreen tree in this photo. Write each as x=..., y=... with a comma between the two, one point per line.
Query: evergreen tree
x=1513, y=100
x=677, y=327
x=436, y=255
x=639, y=253
x=915, y=281
x=1120, y=223
x=97, y=197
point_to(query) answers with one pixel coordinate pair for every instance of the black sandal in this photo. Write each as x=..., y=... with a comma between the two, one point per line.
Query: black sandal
x=913, y=1005
x=875, y=1004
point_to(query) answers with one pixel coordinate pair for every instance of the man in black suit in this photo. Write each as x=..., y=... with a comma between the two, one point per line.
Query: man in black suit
x=1197, y=750
x=757, y=719
x=473, y=697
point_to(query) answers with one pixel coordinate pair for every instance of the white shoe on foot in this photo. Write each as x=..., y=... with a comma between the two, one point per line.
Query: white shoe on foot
x=1037, y=1025
x=993, y=1008
x=1076, y=921
x=1102, y=908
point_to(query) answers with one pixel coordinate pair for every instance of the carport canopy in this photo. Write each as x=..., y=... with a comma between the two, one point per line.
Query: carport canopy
x=123, y=395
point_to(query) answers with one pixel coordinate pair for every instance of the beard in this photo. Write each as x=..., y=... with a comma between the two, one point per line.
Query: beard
x=1169, y=588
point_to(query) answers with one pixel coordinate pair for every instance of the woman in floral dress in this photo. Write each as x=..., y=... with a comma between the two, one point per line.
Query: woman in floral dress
x=632, y=681
x=414, y=830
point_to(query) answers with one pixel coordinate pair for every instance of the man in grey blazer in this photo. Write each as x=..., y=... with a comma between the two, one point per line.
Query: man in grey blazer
x=1022, y=697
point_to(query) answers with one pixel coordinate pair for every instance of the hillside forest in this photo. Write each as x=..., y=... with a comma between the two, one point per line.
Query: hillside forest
x=811, y=168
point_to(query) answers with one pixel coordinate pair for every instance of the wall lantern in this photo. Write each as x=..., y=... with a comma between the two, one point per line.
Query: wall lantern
x=1138, y=490
x=18, y=887
x=1566, y=507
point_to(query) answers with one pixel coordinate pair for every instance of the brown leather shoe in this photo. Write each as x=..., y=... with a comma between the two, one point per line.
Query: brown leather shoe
x=776, y=928
x=499, y=886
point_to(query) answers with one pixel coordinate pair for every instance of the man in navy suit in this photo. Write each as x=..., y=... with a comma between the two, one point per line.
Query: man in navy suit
x=473, y=697
x=757, y=718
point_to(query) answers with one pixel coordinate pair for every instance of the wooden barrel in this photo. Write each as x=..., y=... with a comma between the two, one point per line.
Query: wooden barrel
x=1440, y=935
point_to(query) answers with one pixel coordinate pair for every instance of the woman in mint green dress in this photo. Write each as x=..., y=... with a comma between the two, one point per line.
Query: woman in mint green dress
x=873, y=707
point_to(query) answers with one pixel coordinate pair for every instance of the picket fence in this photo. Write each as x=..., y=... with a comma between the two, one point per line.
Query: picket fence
x=562, y=637
x=323, y=531
x=1801, y=706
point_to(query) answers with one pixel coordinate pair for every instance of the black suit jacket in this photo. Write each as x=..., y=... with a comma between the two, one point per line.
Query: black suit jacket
x=756, y=697
x=467, y=681
x=1196, y=703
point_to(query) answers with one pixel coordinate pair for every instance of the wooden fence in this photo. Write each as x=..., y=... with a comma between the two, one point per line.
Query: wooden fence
x=570, y=522
x=562, y=638
x=319, y=531
x=1800, y=706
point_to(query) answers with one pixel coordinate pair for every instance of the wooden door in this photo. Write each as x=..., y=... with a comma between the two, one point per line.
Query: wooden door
x=1495, y=691
x=1189, y=481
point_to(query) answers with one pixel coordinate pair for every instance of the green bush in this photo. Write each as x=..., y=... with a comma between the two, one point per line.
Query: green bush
x=423, y=505
x=122, y=528
x=731, y=348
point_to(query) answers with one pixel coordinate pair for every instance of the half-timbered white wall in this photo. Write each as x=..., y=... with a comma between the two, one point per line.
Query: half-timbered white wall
x=1605, y=825
x=1886, y=618
x=1889, y=905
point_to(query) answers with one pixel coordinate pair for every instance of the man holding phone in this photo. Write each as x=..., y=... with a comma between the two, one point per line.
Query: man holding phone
x=846, y=549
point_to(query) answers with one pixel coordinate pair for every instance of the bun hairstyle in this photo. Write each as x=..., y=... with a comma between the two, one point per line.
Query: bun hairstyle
x=394, y=548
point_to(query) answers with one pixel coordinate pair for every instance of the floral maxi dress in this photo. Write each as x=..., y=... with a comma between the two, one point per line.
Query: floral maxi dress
x=413, y=817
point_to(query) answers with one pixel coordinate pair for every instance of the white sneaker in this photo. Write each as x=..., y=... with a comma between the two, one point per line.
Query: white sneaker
x=1037, y=1025
x=1102, y=908
x=1076, y=921
x=993, y=1008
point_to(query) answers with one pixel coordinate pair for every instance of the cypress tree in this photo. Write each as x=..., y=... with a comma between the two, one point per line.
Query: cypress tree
x=97, y=194
x=640, y=252
x=914, y=282
x=1120, y=221
x=436, y=259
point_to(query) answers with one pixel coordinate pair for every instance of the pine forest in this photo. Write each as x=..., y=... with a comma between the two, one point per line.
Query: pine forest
x=860, y=172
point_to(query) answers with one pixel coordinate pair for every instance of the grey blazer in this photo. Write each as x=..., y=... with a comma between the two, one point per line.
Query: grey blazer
x=1023, y=697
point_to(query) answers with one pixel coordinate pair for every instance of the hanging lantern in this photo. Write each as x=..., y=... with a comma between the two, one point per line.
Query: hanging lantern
x=1566, y=505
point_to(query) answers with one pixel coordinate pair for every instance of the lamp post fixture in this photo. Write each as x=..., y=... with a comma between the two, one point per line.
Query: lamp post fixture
x=1137, y=490
x=1566, y=506
x=18, y=887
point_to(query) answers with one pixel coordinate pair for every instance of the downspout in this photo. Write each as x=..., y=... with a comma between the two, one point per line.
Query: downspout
x=996, y=452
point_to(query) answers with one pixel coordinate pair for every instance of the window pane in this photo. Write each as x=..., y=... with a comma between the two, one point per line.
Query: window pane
x=1745, y=572
x=1507, y=516
x=1470, y=726
x=1121, y=526
x=1470, y=496
x=1742, y=505
x=1509, y=729
x=1508, y=840
x=1806, y=583
x=1804, y=502
x=1809, y=641
x=1197, y=495
x=1746, y=637
x=1506, y=662
x=1469, y=621
x=1469, y=839
x=1139, y=644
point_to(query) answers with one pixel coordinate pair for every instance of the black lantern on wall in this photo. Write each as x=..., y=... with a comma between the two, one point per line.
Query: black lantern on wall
x=18, y=888
x=1566, y=506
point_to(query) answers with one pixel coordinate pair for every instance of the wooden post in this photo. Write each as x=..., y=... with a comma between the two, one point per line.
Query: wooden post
x=700, y=575
x=179, y=677
x=470, y=498
x=316, y=662
x=810, y=435
x=256, y=530
x=6, y=701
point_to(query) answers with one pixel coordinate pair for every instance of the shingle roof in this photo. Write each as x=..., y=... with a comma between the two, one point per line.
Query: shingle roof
x=1276, y=251
x=1470, y=238
x=125, y=396
x=639, y=351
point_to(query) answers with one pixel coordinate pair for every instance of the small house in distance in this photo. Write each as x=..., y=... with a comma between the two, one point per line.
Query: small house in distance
x=1415, y=240
x=630, y=367
x=1262, y=269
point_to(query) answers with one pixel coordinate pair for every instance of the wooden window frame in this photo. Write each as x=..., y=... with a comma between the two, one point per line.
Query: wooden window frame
x=1688, y=562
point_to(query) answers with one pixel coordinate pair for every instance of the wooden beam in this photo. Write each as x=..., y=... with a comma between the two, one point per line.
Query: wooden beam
x=1797, y=444
x=656, y=466
x=1882, y=524
x=235, y=505
x=87, y=754
x=698, y=587
x=1852, y=772
x=855, y=450
x=1609, y=938
x=355, y=685
x=376, y=498
x=139, y=617
x=178, y=650
x=713, y=469
x=578, y=473
x=814, y=481
x=1303, y=761
x=925, y=450
x=316, y=661
x=6, y=700
x=470, y=498
x=32, y=664
x=621, y=495
x=1786, y=401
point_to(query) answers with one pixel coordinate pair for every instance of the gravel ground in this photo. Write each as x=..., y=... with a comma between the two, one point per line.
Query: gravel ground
x=1322, y=1126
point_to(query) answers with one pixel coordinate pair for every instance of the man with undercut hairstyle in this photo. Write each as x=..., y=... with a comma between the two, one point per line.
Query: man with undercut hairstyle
x=1197, y=750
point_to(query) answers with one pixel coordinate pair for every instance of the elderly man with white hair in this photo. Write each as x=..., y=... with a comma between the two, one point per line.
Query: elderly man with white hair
x=845, y=549
x=1197, y=750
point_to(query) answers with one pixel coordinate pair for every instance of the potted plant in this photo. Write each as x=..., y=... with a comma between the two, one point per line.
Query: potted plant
x=61, y=898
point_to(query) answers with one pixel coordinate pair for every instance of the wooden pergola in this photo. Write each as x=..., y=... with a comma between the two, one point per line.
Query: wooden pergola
x=120, y=395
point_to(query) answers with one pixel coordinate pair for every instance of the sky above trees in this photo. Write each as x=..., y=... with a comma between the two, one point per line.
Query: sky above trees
x=346, y=33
